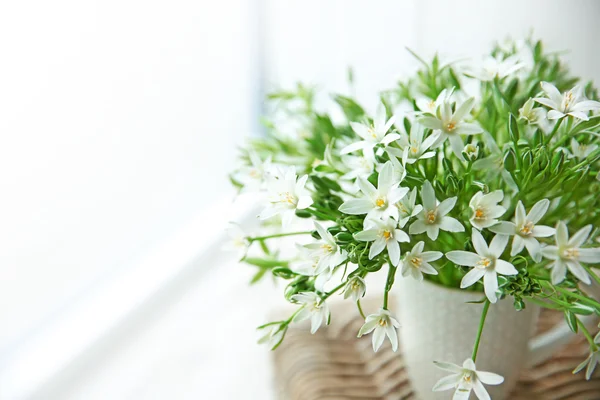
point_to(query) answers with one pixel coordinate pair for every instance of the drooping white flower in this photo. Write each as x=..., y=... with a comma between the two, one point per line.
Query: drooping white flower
x=359, y=166
x=286, y=195
x=377, y=202
x=254, y=176
x=416, y=148
x=312, y=307
x=582, y=151
x=381, y=324
x=525, y=230
x=373, y=135
x=355, y=288
x=416, y=262
x=238, y=240
x=530, y=114
x=568, y=254
x=571, y=102
x=493, y=68
x=486, y=210
x=591, y=361
x=486, y=263
x=273, y=335
x=471, y=150
x=430, y=106
x=466, y=379
x=433, y=216
x=328, y=255
x=407, y=207
x=383, y=234
x=493, y=164
x=450, y=125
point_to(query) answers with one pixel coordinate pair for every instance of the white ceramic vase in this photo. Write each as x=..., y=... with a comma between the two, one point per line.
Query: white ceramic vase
x=437, y=323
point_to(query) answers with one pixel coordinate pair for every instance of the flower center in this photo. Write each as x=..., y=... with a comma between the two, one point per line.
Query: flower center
x=467, y=377
x=430, y=217
x=382, y=322
x=526, y=229
x=416, y=262
x=387, y=234
x=480, y=213
x=571, y=253
x=401, y=208
x=327, y=248
x=484, y=263
x=568, y=100
x=450, y=126
x=254, y=173
x=380, y=202
x=372, y=132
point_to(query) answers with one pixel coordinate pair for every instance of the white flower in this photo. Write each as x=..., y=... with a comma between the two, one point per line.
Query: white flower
x=591, y=361
x=373, y=135
x=530, y=114
x=568, y=254
x=359, y=166
x=328, y=254
x=398, y=167
x=486, y=209
x=493, y=68
x=433, y=217
x=384, y=234
x=414, y=144
x=471, y=150
x=486, y=263
x=450, y=124
x=582, y=151
x=430, y=106
x=238, y=240
x=407, y=207
x=377, y=202
x=466, y=379
x=313, y=308
x=355, y=288
x=571, y=103
x=254, y=176
x=416, y=262
x=286, y=195
x=525, y=230
x=273, y=336
x=494, y=163
x=381, y=324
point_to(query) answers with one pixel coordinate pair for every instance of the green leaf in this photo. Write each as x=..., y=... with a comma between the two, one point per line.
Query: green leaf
x=352, y=110
x=582, y=309
x=513, y=128
x=571, y=321
x=264, y=262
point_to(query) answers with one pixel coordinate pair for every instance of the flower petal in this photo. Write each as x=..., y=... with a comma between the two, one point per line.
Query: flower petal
x=580, y=237
x=504, y=228
x=450, y=224
x=579, y=272
x=490, y=378
x=367, y=187
x=367, y=236
x=562, y=234
x=479, y=243
x=505, y=268
x=591, y=256
x=446, y=366
x=446, y=205
x=543, y=231
x=471, y=277
x=498, y=244
x=465, y=258
x=356, y=206
x=377, y=247
x=417, y=227
x=480, y=391
x=447, y=382
x=354, y=146
x=538, y=210
x=490, y=285
x=393, y=249
x=559, y=271
x=428, y=196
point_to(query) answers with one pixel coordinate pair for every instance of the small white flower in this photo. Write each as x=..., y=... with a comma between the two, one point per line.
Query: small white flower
x=407, y=207
x=568, y=254
x=273, y=335
x=493, y=68
x=591, y=361
x=312, y=307
x=238, y=240
x=525, y=230
x=486, y=210
x=530, y=114
x=466, y=379
x=416, y=262
x=430, y=106
x=373, y=135
x=471, y=150
x=355, y=288
x=254, y=176
x=359, y=166
x=328, y=254
x=494, y=163
x=398, y=166
x=381, y=324
x=377, y=202
x=486, y=263
x=433, y=216
x=384, y=234
x=450, y=125
x=582, y=151
x=571, y=103
x=286, y=195
x=416, y=148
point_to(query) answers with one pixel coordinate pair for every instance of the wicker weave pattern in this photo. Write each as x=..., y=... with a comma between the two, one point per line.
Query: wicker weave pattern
x=334, y=364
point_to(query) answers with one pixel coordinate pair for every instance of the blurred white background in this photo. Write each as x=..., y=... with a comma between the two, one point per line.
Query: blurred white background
x=119, y=122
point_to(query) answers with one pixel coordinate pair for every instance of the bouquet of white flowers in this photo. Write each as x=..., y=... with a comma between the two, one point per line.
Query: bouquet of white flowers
x=457, y=162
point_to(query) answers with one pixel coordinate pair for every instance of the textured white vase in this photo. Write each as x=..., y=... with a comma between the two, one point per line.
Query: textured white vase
x=437, y=323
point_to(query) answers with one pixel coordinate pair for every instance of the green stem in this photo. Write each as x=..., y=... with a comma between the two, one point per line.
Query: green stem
x=551, y=135
x=486, y=306
x=388, y=284
x=276, y=235
x=587, y=335
x=360, y=310
x=583, y=299
x=335, y=289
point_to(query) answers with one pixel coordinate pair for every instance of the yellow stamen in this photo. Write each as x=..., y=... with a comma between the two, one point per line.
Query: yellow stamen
x=526, y=229
x=387, y=235
x=450, y=126
x=380, y=202
x=431, y=216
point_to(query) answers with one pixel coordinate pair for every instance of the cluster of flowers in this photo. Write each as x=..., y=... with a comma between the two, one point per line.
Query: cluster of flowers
x=403, y=189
